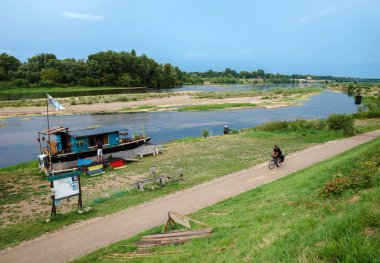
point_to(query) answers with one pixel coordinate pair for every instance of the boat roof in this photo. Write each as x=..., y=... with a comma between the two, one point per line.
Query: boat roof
x=96, y=131
x=54, y=130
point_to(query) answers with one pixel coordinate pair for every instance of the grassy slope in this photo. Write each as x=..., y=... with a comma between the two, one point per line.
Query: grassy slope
x=286, y=220
x=214, y=157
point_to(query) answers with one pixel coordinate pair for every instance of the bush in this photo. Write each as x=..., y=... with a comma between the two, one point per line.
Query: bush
x=367, y=114
x=205, y=133
x=297, y=125
x=20, y=83
x=89, y=81
x=272, y=126
x=234, y=131
x=360, y=178
x=341, y=122
x=47, y=83
x=373, y=113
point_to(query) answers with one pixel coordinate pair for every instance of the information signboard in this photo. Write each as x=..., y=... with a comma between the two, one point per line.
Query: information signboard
x=66, y=187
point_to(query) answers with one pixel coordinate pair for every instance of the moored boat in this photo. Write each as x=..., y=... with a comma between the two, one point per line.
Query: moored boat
x=61, y=148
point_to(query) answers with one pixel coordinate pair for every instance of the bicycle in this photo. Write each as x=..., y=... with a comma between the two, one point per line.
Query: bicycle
x=275, y=162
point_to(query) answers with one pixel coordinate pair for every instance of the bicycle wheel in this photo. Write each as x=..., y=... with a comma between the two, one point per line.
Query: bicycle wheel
x=271, y=164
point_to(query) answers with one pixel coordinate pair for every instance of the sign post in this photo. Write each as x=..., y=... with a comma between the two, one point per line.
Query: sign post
x=65, y=186
x=80, y=194
x=53, y=207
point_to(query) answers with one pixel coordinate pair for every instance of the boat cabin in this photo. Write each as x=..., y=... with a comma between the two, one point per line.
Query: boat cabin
x=64, y=141
x=61, y=148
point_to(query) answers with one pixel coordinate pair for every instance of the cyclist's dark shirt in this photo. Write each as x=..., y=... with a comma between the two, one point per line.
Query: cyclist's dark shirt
x=277, y=152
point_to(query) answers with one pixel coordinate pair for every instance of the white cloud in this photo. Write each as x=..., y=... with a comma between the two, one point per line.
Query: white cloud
x=194, y=54
x=88, y=17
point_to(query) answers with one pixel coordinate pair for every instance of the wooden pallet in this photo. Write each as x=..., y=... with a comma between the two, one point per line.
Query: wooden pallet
x=95, y=170
x=117, y=163
x=140, y=254
x=172, y=238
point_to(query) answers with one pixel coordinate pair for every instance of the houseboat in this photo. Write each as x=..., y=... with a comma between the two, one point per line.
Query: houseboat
x=61, y=148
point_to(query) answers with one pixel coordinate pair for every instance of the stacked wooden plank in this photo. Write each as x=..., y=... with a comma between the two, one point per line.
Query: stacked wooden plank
x=172, y=238
x=119, y=163
x=140, y=254
x=95, y=170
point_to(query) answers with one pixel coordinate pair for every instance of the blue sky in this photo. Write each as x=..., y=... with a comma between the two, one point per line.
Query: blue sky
x=340, y=38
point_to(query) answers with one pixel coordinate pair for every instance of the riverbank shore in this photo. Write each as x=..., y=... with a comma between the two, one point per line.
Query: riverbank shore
x=168, y=102
x=118, y=227
x=25, y=195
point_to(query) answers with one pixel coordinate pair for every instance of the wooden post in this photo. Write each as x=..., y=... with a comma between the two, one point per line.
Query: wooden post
x=53, y=208
x=39, y=142
x=80, y=194
x=47, y=117
x=48, y=124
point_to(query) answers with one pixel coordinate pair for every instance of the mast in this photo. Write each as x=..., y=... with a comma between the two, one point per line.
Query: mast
x=48, y=125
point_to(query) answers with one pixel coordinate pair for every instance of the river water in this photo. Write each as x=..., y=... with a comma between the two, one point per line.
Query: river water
x=18, y=135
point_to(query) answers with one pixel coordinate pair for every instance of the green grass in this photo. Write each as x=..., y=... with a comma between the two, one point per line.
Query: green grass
x=287, y=220
x=140, y=108
x=214, y=156
x=10, y=178
x=222, y=106
x=365, y=125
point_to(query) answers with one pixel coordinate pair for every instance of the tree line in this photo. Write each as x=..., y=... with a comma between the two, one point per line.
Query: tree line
x=109, y=68
x=232, y=76
x=123, y=69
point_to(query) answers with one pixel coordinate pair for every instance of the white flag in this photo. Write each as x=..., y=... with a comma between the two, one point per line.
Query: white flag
x=58, y=106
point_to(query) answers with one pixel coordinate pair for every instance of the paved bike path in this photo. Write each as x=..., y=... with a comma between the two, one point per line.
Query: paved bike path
x=84, y=237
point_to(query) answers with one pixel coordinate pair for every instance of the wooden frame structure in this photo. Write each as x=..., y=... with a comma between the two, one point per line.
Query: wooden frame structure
x=53, y=195
x=177, y=218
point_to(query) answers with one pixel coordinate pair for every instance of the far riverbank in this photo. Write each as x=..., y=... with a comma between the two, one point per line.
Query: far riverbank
x=165, y=101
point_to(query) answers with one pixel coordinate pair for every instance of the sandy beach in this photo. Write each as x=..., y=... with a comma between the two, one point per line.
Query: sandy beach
x=161, y=104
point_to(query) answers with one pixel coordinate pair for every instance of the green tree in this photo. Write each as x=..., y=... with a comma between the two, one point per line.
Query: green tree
x=169, y=76
x=50, y=74
x=71, y=70
x=41, y=60
x=260, y=73
x=110, y=66
x=7, y=63
x=230, y=72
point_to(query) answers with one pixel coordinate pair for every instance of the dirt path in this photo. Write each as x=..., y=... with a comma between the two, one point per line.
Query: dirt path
x=82, y=238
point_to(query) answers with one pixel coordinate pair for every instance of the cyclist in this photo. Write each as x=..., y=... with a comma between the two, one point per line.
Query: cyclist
x=277, y=154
